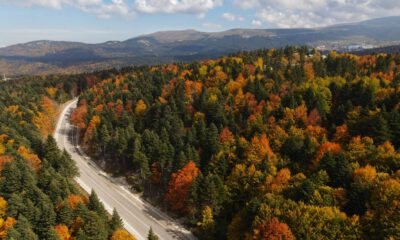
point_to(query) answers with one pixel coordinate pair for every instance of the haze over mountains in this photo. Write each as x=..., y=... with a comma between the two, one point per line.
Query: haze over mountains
x=42, y=57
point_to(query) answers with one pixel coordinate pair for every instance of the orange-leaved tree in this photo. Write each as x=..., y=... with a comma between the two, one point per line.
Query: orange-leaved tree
x=140, y=107
x=94, y=122
x=179, y=185
x=5, y=225
x=74, y=200
x=273, y=230
x=3, y=160
x=122, y=234
x=32, y=159
x=79, y=114
x=63, y=232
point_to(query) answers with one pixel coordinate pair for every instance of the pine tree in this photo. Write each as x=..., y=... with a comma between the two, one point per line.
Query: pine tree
x=115, y=221
x=213, y=138
x=81, y=211
x=95, y=205
x=15, y=205
x=140, y=159
x=30, y=211
x=152, y=235
x=46, y=220
x=51, y=234
x=12, y=178
x=65, y=214
x=210, y=147
x=180, y=161
x=27, y=178
x=338, y=169
x=394, y=123
x=13, y=234
x=51, y=151
x=104, y=137
x=380, y=130
x=68, y=167
x=212, y=192
x=94, y=229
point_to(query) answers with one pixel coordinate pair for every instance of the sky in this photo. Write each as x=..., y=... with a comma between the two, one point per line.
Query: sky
x=94, y=21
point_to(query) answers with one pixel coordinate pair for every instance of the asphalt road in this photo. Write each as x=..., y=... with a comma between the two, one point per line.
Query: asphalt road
x=137, y=214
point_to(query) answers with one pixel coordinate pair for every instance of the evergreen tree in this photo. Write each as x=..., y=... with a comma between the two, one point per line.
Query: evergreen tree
x=51, y=234
x=152, y=235
x=105, y=137
x=211, y=146
x=13, y=234
x=380, y=130
x=338, y=169
x=394, y=124
x=94, y=228
x=51, y=152
x=46, y=220
x=67, y=167
x=80, y=211
x=15, y=205
x=95, y=205
x=140, y=159
x=115, y=221
x=11, y=179
x=30, y=211
x=212, y=192
x=65, y=214
x=27, y=178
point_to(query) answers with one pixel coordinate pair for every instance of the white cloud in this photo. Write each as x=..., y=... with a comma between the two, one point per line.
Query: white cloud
x=232, y=17
x=256, y=23
x=315, y=13
x=101, y=8
x=108, y=8
x=246, y=4
x=177, y=6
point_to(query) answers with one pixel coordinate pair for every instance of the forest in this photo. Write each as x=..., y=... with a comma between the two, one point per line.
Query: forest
x=39, y=198
x=271, y=144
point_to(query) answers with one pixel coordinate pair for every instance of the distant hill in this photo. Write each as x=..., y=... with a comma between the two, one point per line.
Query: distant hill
x=387, y=49
x=169, y=46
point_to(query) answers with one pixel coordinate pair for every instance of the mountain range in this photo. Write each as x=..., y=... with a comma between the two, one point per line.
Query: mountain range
x=46, y=57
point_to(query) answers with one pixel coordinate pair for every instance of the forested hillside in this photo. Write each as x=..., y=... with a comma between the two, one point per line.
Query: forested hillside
x=271, y=144
x=38, y=196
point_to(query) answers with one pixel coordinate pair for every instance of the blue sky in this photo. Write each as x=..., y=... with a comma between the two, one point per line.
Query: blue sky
x=96, y=21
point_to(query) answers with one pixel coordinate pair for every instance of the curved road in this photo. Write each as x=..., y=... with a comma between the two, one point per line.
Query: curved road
x=138, y=215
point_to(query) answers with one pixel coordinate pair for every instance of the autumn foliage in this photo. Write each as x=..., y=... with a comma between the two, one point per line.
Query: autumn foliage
x=326, y=147
x=274, y=230
x=94, y=122
x=78, y=115
x=32, y=159
x=5, y=225
x=44, y=120
x=226, y=136
x=63, y=232
x=74, y=200
x=3, y=160
x=179, y=186
x=270, y=144
x=122, y=234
